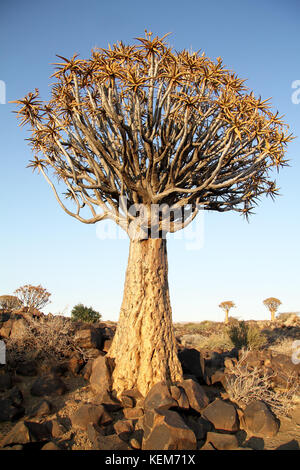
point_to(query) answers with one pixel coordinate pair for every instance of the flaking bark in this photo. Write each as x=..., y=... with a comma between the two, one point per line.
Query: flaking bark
x=144, y=347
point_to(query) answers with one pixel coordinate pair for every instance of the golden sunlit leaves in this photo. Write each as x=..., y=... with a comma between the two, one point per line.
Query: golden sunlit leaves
x=178, y=123
x=30, y=108
x=72, y=65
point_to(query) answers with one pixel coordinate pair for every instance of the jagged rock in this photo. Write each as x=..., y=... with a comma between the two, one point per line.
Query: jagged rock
x=87, y=369
x=16, y=447
x=38, y=431
x=9, y=411
x=55, y=428
x=18, y=435
x=48, y=385
x=93, y=353
x=50, y=446
x=199, y=426
x=110, y=403
x=124, y=429
x=222, y=415
x=100, y=378
x=101, y=442
x=192, y=363
x=196, y=395
x=217, y=376
x=207, y=446
x=132, y=398
x=5, y=382
x=159, y=396
x=18, y=326
x=88, y=338
x=94, y=433
x=257, y=420
x=27, y=369
x=24, y=432
x=127, y=402
x=75, y=363
x=43, y=408
x=133, y=413
x=90, y=414
x=16, y=396
x=222, y=441
x=166, y=430
x=216, y=360
x=180, y=396
x=106, y=345
x=6, y=328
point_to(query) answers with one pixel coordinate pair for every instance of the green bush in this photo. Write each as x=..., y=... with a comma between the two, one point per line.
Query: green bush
x=255, y=338
x=245, y=336
x=87, y=314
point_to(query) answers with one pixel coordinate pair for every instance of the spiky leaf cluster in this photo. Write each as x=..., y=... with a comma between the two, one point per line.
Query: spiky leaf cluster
x=153, y=126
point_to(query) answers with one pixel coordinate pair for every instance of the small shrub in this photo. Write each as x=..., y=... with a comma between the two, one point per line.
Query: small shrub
x=48, y=339
x=87, y=314
x=9, y=302
x=33, y=296
x=214, y=341
x=255, y=338
x=237, y=333
x=244, y=385
x=245, y=336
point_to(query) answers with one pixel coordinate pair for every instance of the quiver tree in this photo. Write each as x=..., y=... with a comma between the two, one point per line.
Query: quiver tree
x=226, y=306
x=33, y=297
x=147, y=137
x=9, y=302
x=272, y=305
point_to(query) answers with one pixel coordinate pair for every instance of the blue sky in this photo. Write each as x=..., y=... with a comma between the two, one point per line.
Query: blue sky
x=239, y=261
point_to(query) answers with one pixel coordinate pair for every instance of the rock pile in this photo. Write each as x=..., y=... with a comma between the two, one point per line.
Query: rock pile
x=188, y=415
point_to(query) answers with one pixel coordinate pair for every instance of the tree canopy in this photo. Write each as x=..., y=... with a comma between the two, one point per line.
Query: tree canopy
x=272, y=303
x=227, y=305
x=148, y=125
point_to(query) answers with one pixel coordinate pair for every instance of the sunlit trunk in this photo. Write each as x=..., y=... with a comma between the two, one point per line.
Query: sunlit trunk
x=144, y=346
x=226, y=316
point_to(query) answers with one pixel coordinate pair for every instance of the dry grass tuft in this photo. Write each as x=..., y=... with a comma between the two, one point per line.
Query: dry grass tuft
x=244, y=385
x=48, y=338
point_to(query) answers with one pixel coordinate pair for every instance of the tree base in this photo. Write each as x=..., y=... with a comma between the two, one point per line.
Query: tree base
x=144, y=346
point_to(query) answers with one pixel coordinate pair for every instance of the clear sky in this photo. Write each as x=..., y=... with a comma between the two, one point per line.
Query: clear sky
x=239, y=261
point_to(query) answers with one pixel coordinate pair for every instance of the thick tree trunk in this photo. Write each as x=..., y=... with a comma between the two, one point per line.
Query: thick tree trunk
x=144, y=346
x=226, y=316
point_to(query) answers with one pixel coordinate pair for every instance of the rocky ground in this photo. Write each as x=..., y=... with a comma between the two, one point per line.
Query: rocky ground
x=54, y=390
